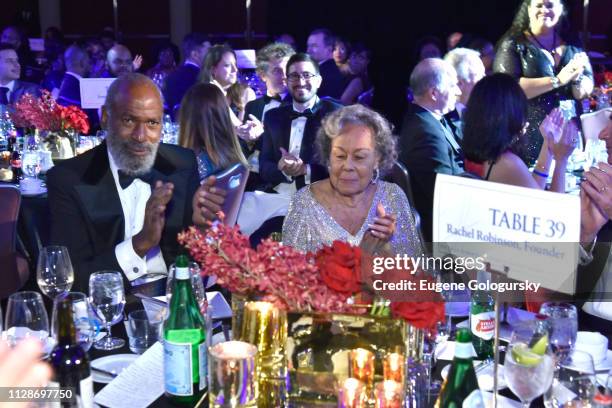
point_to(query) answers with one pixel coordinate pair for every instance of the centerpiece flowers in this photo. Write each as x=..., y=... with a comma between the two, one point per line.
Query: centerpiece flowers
x=332, y=280
x=56, y=122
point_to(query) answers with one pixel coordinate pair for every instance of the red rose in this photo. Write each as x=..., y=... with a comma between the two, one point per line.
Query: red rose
x=422, y=315
x=340, y=267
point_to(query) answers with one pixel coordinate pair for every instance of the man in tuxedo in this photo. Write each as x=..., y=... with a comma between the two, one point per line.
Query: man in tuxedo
x=287, y=161
x=11, y=88
x=78, y=65
x=321, y=47
x=428, y=145
x=470, y=70
x=271, y=62
x=194, y=47
x=120, y=205
x=118, y=61
x=595, y=270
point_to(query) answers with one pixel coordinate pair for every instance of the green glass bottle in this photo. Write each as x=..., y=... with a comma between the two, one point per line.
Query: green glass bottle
x=69, y=361
x=461, y=386
x=185, y=354
x=482, y=323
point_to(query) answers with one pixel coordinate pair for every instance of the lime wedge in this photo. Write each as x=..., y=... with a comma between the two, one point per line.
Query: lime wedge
x=524, y=356
x=541, y=345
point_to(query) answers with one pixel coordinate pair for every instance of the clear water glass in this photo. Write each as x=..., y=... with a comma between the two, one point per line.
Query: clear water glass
x=26, y=317
x=107, y=298
x=527, y=380
x=30, y=163
x=563, y=325
x=85, y=323
x=54, y=272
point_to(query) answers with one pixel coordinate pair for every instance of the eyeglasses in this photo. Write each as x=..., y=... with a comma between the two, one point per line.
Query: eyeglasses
x=306, y=76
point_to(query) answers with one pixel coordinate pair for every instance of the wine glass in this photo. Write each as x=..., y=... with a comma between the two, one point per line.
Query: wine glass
x=528, y=372
x=107, y=299
x=575, y=384
x=54, y=272
x=87, y=327
x=30, y=163
x=26, y=317
x=563, y=323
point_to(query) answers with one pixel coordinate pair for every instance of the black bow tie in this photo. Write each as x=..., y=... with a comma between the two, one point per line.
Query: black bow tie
x=125, y=180
x=267, y=99
x=308, y=113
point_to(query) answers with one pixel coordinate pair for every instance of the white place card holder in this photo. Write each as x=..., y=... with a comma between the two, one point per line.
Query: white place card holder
x=37, y=44
x=245, y=59
x=594, y=122
x=531, y=232
x=93, y=91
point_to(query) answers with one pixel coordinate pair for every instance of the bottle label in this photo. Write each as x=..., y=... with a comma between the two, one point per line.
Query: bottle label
x=483, y=325
x=474, y=400
x=203, y=352
x=464, y=350
x=182, y=273
x=177, y=368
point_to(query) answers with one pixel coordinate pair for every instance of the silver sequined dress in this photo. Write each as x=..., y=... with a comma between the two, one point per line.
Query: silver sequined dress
x=308, y=225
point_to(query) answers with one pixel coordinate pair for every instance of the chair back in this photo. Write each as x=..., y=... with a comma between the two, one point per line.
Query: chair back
x=233, y=181
x=10, y=201
x=400, y=176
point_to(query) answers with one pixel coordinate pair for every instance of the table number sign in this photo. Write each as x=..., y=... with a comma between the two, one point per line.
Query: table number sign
x=532, y=232
x=93, y=91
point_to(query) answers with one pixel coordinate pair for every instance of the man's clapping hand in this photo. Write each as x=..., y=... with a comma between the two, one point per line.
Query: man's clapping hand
x=207, y=202
x=154, y=219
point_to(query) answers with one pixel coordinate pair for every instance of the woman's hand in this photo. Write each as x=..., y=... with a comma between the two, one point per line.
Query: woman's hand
x=551, y=128
x=598, y=186
x=565, y=145
x=384, y=224
x=573, y=69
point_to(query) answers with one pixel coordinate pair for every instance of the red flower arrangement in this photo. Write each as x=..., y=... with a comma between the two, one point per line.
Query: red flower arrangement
x=319, y=282
x=45, y=113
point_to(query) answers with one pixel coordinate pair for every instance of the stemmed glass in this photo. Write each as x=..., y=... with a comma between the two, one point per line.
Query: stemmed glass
x=54, y=272
x=574, y=384
x=26, y=317
x=30, y=163
x=87, y=327
x=563, y=323
x=528, y=372
x=107, y=299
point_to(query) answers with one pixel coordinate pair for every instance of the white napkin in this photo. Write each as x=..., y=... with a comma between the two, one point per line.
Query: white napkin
x=593, y=343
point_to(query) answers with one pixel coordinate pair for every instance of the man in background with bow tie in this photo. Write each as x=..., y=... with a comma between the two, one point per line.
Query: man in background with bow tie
x=428, y=144
x=120, y=205
x=287, y=161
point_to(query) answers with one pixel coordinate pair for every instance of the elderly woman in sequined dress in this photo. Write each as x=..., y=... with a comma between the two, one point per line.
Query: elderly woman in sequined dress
x=353, y=203
x=541, y=53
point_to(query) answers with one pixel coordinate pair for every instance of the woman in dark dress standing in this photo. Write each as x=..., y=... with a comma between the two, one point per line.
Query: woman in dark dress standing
x=539, y=51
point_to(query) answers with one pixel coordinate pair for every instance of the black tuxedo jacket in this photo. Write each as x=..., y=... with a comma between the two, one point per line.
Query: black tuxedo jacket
x=426, y=150
x=588, y=275
x=21, y=88
x=277, y=132
x=86, y=213
x=177, y=83
x=334, y=82
x=256, y=108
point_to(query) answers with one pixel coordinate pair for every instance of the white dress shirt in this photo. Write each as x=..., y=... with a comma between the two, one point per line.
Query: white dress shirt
x=599, y=305
x=133, y=202
x=295, y=145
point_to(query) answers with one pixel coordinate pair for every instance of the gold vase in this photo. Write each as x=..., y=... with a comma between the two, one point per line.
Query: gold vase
x=265, y=326
x=319, y=350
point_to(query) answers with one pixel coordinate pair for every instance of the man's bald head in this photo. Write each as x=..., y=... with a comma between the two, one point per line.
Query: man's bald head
x=434, y=84
x=132, y=115
x=119, y=60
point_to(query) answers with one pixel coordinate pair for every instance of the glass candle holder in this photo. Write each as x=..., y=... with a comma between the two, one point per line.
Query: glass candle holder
x=362, y=366
x=265, y=326
x=232, y=375
x=388, y=394
x=352, y=394
x=394, y=366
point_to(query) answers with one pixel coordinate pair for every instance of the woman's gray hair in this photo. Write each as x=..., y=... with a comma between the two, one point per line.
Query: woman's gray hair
x=334, y=123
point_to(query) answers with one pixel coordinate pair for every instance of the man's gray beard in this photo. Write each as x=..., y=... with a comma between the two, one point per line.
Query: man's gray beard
x=131, y=165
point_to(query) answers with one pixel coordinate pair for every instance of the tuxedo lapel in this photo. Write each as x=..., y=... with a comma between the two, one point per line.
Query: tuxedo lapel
x=100, y=200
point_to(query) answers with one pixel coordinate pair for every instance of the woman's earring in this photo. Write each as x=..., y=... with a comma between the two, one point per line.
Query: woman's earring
x=376, y=176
